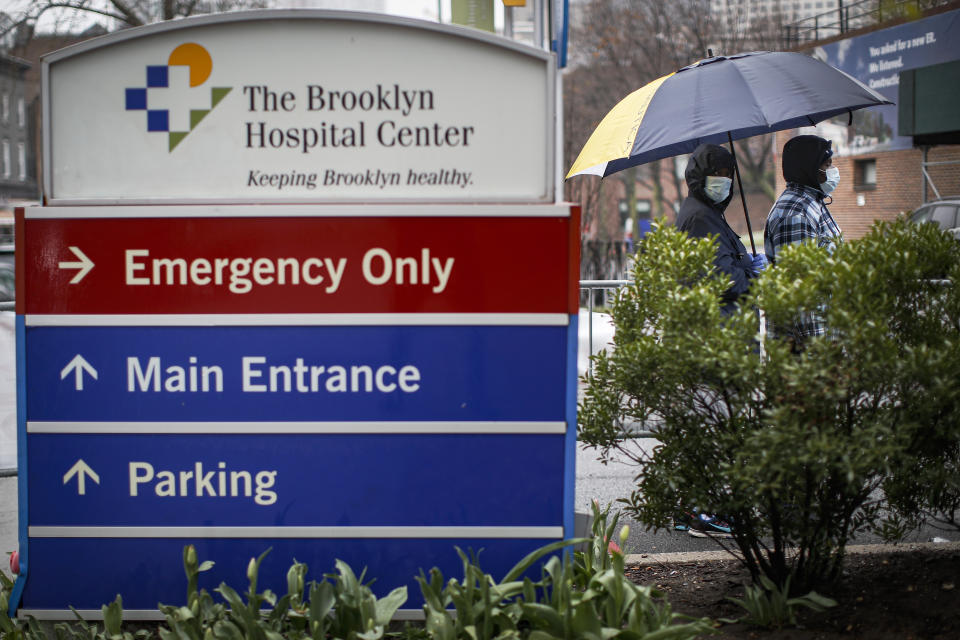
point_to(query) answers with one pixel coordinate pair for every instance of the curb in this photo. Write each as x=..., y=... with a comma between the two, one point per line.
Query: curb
x=645, y=559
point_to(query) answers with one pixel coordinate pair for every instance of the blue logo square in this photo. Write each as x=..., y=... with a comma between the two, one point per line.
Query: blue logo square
x=136, y=99
x=157, y=76
x=158, y=120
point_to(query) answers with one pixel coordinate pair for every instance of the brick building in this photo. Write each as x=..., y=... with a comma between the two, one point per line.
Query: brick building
x=882, y=170
x=883, y=185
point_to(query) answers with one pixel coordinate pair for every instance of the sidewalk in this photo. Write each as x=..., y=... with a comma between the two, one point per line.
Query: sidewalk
x=645, y=559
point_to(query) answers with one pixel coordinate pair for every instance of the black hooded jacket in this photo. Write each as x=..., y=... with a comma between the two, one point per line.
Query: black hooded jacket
x=802, y=157
x=700, y=216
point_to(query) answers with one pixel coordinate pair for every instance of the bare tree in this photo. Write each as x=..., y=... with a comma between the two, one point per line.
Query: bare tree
x=126, y=13
x=624, y=44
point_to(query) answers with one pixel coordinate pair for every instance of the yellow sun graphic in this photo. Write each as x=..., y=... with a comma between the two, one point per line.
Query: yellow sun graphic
x=196, y=57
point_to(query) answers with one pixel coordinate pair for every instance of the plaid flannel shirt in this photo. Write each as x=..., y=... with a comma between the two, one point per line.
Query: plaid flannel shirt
x=799, y=215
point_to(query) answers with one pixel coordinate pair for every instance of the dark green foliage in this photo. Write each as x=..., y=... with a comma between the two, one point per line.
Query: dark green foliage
x=792, y=448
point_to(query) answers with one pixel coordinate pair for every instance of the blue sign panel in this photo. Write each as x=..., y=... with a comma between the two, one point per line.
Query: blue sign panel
x=876, y=59
x=296, y=373
x=269, y=480
x=382, y=445
x=91, y=572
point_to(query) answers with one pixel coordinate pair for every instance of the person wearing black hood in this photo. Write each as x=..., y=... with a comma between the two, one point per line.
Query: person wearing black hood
x=709, y=177
x=800, y=214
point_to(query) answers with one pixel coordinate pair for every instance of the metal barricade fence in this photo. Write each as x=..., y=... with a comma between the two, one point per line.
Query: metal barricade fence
x=637, y=429
x=590, y=286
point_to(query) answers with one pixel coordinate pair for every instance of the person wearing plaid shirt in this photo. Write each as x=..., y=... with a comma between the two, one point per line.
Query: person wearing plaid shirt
x=800, y=214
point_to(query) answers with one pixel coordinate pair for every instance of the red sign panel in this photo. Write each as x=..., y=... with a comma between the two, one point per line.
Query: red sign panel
x=168, y=265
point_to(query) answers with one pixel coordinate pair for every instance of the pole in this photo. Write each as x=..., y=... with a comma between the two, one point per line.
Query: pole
x=538, y=24
x=743, y=198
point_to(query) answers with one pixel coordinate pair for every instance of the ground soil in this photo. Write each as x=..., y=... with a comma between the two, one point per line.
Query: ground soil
x=908, y=595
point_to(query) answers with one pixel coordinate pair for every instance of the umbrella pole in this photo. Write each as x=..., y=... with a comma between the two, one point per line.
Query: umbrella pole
x=743, y=198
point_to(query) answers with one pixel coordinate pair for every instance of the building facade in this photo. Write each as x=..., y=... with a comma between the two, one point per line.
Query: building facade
x=885, y=171
x=18, y=180
x=753, y=10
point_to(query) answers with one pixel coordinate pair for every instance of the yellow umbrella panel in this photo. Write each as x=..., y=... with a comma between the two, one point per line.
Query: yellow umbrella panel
x=614, y=137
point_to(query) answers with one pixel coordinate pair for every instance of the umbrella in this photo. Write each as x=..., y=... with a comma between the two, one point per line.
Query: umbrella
x=716, y=100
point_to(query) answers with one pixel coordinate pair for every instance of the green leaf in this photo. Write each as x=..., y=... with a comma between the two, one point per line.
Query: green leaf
x=544, y=617
x=322, y=599
x=815, y=601
x=232, y=597
x=113, y=616
x=524, y=564
x=226, y=630
x=387, y=606
x=542, y=635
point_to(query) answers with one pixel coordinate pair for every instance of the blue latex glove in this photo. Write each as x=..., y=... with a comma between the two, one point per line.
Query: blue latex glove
x=759, y=262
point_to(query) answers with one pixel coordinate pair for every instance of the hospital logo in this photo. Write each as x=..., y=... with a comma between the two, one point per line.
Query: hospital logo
x=173, y=98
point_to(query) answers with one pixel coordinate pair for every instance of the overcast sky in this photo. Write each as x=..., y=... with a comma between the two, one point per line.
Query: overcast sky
x=55, y=20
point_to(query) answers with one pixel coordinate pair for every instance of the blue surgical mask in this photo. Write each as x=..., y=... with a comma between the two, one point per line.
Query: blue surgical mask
x=717, y=188
x=833, y=179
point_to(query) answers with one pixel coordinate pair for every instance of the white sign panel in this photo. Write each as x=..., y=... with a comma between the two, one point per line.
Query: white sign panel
x=299, y=106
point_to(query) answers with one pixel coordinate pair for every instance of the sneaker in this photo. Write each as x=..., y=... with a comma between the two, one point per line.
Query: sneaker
x=682, y=519
x=708, y=526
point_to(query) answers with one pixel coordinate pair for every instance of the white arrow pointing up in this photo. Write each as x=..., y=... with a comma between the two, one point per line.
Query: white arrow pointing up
x=85, y=264
x=81, y=469
x=78, y=365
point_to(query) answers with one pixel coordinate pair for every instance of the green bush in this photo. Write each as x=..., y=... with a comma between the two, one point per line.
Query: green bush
x=792, y=448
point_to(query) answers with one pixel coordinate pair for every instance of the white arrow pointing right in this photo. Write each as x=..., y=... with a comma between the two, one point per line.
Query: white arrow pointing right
x=84, y=265
x=78, y=365
x=81, y=469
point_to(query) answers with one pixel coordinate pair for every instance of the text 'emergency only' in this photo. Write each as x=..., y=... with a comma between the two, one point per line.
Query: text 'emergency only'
x=241, y=274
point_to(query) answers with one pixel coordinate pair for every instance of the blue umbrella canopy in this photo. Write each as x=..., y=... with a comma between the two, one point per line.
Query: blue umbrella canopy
x=716, y=100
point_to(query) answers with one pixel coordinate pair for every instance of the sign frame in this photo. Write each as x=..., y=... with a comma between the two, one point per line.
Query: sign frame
x=43, y=547
x=550, y=123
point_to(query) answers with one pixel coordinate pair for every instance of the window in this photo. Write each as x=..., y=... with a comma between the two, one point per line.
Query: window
x=6, y=107
x=643, y=209
x=945, y=216
x=923, y=215
x=865, y=174
x=6, y=159
x=21, y=113
x=680, y=166
x=22, y=161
